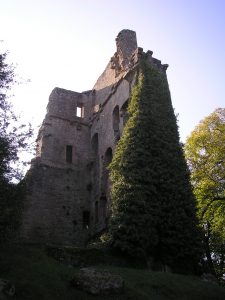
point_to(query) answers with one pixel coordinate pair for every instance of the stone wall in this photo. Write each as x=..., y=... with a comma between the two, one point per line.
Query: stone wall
x=68, y=197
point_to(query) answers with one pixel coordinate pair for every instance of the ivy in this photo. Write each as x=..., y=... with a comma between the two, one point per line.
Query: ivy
x=153, y=209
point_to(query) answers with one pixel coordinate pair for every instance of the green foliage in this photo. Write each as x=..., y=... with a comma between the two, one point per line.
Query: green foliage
x=13, y=136
x=153, y=210
x=13, y=139
x=205, y=153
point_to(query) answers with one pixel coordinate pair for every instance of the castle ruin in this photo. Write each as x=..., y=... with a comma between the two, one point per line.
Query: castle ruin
x=68, y=195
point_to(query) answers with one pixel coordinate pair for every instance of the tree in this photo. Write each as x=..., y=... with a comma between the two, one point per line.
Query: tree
x=14, y=136
x=205, y=153
x=153, y=209
x=13, y=139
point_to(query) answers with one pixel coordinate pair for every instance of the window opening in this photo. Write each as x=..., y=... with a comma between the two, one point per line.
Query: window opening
x=69, y=153
x=116, y=118
x=116, y=123
x=124, y=112
x=86, y=219
x=96, y=212
x=80, y=111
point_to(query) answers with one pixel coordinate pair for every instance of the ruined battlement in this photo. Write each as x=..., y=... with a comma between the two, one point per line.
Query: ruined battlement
x=69, y=188
x=125, y=59
x=126, y=43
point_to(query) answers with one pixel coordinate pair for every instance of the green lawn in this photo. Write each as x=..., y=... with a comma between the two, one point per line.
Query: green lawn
x=39, y=277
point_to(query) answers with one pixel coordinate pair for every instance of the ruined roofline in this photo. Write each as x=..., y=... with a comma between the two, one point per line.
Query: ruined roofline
x=126, y=31
x=156, y=62
x=126, y=58
x=134, y=61
x=60, y=91
x=126, y=43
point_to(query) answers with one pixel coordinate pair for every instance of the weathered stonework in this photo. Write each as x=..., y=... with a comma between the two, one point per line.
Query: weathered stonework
x=68, y=198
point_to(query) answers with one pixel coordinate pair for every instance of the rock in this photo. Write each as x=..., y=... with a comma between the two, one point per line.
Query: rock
x=98, y=282
x=7, y=289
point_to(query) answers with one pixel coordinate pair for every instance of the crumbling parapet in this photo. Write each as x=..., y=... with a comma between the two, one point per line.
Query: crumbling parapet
x=126, y=43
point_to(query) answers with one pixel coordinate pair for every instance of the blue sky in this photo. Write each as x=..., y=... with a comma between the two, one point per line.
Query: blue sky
x=68, y=43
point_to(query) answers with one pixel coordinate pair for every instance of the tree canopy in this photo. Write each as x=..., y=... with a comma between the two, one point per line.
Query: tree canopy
x=13, y=139
x=153, y=209
x=13, y=135
x=205, y=153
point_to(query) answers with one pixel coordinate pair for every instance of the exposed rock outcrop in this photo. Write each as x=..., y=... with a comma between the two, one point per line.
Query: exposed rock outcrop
x=98, y=282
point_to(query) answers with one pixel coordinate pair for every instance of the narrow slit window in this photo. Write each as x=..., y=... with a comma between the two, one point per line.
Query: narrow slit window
x=86, y=219
x=80, y=111
x=69, y=153
x=96, y=212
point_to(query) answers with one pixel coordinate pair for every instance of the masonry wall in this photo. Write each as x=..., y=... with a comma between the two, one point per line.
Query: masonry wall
x=58, y=200
x=68, y=196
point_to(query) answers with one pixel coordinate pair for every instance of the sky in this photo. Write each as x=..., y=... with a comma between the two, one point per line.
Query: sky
x=68, y=43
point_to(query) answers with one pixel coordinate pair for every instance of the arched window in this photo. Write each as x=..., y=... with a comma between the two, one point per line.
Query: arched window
x=124, y=112
x=116, y=122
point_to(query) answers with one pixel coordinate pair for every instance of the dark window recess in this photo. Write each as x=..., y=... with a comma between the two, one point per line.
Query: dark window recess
x=96, y=212
x=116, y=119
x=89, y=186
x=116, y=123
x=124, y=112
x=86, y=219
x=69, y=153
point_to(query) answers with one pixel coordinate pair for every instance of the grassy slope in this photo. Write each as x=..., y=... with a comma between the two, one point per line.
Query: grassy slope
x=36, y=276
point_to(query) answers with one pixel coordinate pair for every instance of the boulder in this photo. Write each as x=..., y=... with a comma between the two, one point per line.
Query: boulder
x=98, y=282
x=7, y=289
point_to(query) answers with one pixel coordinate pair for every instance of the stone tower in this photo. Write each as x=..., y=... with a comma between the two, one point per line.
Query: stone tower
x=68, y=195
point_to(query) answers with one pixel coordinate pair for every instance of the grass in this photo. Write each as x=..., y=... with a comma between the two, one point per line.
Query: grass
x=37, y=276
